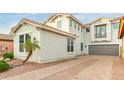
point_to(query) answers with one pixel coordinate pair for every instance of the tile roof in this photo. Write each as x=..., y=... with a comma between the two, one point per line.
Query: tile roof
x=97, y=19
x=6, y=37
x=42, y=26
x=117, y=18
x=67, y=14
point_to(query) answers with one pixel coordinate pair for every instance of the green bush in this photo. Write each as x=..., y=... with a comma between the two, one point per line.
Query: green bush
x=2, y=61
x=8, y=55
x=3, y=66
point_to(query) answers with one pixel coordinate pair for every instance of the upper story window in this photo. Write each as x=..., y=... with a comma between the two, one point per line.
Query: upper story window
x=78, y=28
x=87, y=30
x=100, y=31
x=81, y=29
x=75, y=25
x=71, y=22
x=115, y=25
x=59, y=24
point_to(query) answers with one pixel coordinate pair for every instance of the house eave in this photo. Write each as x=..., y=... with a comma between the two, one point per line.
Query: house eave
x=42, y=26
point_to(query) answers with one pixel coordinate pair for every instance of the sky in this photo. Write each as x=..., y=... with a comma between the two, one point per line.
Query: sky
x=8, y=20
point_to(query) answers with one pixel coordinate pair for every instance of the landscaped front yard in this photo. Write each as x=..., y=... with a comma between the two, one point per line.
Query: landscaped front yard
x=83, y=67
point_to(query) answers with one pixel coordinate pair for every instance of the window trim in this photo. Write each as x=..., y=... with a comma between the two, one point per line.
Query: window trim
x=59, y=25
x=81, y=29
x=24, y=39
x=81, y=46
x=70, y=45
x=75, y=24
x=71, y=21
x=78, y=27
x=96, y=32
x=21, y=50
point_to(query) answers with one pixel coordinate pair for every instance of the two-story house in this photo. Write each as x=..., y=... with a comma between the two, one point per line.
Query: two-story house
x=69, y=23
x=103, y=37
x=63, y=36
x=60, y=37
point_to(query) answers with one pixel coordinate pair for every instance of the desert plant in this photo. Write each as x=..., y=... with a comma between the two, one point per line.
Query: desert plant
x=3, y=66
x=30, y=47
x=8, y=55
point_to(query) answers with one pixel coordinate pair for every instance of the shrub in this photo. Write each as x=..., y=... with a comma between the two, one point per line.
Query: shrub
x=2, y=61
x=3, y=66
x=8, y=55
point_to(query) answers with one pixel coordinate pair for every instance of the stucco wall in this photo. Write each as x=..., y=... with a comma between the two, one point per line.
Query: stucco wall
x=65, y=23
x=108, y=31
x=112, y=36
x=53, y=47
x=66, y=27
x=79, y=39
x=87, y=41
x=34, y=33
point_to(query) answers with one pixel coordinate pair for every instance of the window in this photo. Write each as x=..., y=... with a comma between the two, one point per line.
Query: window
x=81, y=29
x=87, y=30
x=100, y=31
x=81, y=46
x=21, y=43
x=78, y=28
x=59, y=24
x=70, y=22
x=115, y=25
x=28, y=37
x=75, y=25
x=70, y=45
x=22, y=39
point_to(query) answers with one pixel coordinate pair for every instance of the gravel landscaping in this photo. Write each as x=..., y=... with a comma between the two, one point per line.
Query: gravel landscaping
x=27, y=67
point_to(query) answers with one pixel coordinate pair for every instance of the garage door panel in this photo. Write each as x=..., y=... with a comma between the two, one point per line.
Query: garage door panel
x=104, y=49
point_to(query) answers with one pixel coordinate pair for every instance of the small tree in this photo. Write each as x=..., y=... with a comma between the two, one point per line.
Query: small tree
x=30, y=47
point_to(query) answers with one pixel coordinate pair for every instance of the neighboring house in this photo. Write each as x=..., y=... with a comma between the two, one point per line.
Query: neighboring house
x=63, y=36
x=6, y=43
x=121, y=36
x=103, y=37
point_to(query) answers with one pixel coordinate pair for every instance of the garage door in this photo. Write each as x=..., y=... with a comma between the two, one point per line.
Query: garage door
x=104, y=50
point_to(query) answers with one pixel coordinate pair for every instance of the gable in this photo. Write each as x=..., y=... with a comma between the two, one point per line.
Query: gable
x=35, y=24
x=99, y=21
x=65, y=15
x=25, y=28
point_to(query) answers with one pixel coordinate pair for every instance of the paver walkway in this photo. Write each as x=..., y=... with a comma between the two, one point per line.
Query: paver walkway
x=84, y=67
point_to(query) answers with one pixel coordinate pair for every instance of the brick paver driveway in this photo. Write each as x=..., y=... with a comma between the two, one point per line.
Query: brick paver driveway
x=82, y=68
